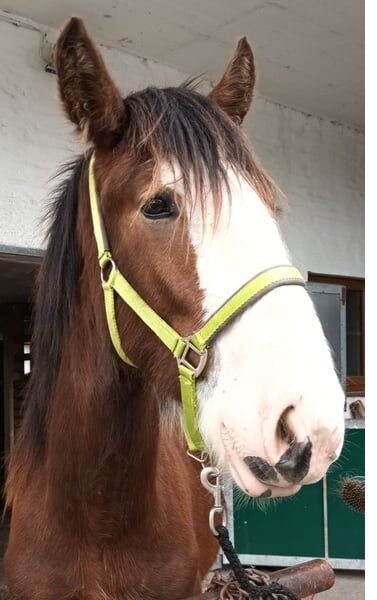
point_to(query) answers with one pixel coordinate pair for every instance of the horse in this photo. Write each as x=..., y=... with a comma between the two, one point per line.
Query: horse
x=106, y=502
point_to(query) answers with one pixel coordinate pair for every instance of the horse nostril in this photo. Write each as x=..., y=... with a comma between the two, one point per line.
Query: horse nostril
x=283, y=431
x=294, y=464
x=261, y=469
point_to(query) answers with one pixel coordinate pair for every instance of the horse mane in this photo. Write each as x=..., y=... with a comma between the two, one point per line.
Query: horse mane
x=54, y=296
x=177, y=125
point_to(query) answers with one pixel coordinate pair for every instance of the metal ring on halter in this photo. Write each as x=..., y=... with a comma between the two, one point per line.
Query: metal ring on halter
x=113, y=268
x=201, y=458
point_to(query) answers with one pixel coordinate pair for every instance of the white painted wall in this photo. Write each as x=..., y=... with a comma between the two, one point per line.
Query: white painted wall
x=318, y=165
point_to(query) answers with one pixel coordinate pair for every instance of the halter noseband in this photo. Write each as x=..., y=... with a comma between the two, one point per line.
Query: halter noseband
x=182, y=348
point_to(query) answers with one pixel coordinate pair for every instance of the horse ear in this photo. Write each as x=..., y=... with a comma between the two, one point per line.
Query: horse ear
x=234, y=91
x=90, y=98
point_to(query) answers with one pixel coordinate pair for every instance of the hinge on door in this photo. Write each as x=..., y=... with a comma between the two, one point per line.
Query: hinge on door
x=344, y=294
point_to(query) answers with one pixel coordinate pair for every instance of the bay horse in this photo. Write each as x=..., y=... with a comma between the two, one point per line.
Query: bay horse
x=105, y=501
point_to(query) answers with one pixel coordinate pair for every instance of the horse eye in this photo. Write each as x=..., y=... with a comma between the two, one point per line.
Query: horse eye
x=159, y=207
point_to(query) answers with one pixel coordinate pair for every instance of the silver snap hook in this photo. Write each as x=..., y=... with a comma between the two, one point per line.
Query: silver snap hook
x=216, y=489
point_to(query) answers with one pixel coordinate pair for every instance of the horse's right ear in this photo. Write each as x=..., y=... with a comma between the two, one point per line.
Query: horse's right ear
x=89, y=95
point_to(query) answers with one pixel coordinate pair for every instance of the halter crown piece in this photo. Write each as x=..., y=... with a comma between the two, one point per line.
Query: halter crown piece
x=184, y=349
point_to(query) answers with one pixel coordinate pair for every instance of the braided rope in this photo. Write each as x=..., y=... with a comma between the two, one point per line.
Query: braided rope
x=249, y=586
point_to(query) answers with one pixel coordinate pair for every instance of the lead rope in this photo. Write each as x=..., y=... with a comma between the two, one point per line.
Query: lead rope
x=270, y=591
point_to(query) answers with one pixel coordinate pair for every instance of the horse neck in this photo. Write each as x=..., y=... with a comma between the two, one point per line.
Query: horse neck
x=103, y=425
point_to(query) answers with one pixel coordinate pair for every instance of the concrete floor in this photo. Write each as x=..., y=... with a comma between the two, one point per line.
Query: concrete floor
x=349, y=585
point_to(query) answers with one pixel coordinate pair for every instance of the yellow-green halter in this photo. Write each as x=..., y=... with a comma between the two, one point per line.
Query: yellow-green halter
x=182, y=348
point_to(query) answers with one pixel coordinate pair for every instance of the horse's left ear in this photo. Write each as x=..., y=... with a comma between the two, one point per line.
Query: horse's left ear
x=89, y=95
x=234, y=91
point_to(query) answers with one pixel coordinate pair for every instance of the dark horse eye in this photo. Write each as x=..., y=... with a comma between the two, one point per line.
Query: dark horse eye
x=159, y=207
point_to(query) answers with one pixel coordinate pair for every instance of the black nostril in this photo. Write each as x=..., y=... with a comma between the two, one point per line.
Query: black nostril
x=266, y=494
x=261, y=469
x=294, y=464
x=283, y=430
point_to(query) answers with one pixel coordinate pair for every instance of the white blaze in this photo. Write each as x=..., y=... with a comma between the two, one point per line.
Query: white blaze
x=273, y=357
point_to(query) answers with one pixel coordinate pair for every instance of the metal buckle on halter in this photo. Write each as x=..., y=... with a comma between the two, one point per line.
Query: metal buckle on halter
x=202, y=356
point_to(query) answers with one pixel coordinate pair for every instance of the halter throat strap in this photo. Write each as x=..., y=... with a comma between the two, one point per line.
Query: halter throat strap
x=190, y=352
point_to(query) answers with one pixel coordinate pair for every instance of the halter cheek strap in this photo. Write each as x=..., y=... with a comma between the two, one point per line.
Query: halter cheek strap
x=190, y=352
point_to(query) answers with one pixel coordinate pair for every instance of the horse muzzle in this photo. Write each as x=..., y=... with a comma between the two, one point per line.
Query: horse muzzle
x=301, y=463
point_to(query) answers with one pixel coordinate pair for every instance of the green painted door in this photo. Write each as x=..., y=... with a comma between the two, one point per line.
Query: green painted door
x=288, y=527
